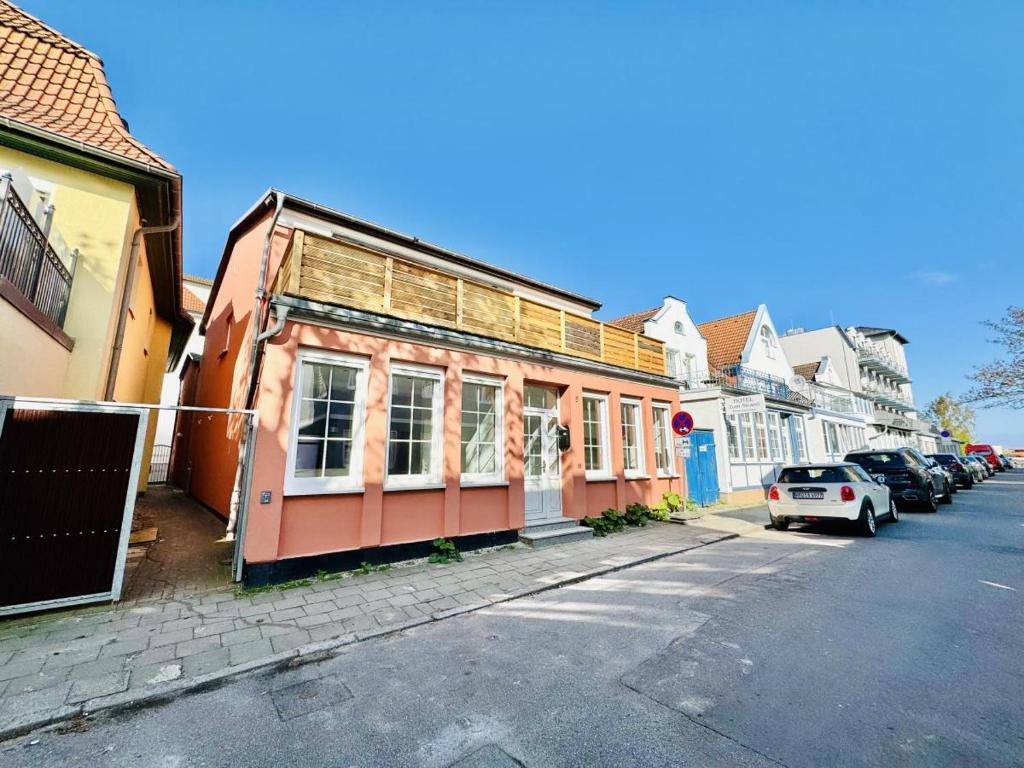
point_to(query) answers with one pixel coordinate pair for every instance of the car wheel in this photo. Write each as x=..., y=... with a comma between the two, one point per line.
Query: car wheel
x=866, y=524
x=969, y=484
x=952, y=487
x=780, y=525
x=947, y=495
x=894, y=513
x=931, y=505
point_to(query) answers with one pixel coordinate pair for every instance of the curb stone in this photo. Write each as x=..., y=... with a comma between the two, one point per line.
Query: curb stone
x=312, y=652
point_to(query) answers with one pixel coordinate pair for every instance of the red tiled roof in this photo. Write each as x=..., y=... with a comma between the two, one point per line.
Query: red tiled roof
x=190, y=302
x=635, y=322
x=197, y=279
x=50, y=82
x=727, y=337
x=807, y=370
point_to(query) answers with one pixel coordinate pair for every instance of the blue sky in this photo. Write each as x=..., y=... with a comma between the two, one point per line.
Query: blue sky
x=858, y=161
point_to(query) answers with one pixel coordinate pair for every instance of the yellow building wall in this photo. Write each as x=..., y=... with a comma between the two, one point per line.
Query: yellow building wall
x=31, y=362
x=93, y=214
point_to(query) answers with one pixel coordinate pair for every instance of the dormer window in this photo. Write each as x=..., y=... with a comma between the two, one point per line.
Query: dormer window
x=679, y=328
x=768, y=341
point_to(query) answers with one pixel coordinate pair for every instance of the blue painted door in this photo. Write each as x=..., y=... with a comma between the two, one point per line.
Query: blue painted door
x=702, y=468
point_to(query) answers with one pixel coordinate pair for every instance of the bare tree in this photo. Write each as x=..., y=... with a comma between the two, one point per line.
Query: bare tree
x=1001, y=382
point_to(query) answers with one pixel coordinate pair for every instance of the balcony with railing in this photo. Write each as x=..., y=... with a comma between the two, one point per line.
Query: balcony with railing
x=28, y=261
x=874, y=358
x=347, y=275
x=743, y=379
x=887, y=396
x=830, y=400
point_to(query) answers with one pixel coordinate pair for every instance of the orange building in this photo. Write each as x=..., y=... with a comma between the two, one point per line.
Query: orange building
x=406, y=392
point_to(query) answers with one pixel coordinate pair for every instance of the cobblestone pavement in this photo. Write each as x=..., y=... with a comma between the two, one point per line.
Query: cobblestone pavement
x=60, y=664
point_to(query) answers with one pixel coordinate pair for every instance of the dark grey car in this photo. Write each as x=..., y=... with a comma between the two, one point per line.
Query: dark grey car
x=908, y=475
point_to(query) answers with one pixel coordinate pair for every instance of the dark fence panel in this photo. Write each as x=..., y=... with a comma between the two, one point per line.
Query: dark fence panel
x=63, y=484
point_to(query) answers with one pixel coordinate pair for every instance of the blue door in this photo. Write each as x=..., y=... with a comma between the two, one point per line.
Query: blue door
x=702, y=468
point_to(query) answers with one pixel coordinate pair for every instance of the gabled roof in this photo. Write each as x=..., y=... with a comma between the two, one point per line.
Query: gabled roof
x=727, y=338
x=52, y=83
x=190, y=302
x=807, y=370
x=870, y=331
x=635, y=322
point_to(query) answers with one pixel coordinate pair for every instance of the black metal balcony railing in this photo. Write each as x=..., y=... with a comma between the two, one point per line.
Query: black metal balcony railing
x=746, y=380
x=28, y=260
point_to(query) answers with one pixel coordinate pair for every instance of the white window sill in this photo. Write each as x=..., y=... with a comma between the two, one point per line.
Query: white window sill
x=631, y=476
x=415, y=487
x=482, y=483
x=322, y=491
x=667, y=476
x=599, y=477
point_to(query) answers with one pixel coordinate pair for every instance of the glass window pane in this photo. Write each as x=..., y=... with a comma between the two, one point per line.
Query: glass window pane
x=315, y=379
x=309, y=458
x=470, y=396
x=312, y=418
x=419, y=459
x=340, y=424
x=398, y=459
x=421, y=424
x=423, y=392
x=339, y=458
x=401, y=390
x=343, y=384
x=400, y=423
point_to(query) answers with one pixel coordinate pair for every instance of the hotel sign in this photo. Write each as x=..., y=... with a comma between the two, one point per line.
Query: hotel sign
x=745, y=404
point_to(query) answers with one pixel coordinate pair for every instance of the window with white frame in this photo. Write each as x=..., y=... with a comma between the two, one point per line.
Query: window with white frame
x=801, y=440
x=326, y=437
x=733, y=433
x=762, y=437
x=672, y=360
x=415, y=426
x=662, y=440
x=595, y=436
x=768, y=341
x=632, y=438
x=774, y=438
x=690, y=368
x=482, y=454
x=787, y=443
x=749, y=449
x=679, y=328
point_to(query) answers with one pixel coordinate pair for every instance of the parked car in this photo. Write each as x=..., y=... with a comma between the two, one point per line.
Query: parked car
x=978, y=468
x=979, y=462
x=906, y=474
x=814, y=493
x=946, y=479
x=986, y=452
x=962, y=475
x=1007, y=463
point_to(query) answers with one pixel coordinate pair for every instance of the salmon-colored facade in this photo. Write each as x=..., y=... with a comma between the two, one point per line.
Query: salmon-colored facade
x=426, y=435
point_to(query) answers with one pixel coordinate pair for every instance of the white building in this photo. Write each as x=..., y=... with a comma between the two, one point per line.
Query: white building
x=735, y=380
x=196, y=290
x=871, y=364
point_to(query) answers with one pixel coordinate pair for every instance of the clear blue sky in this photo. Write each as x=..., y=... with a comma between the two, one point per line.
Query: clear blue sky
x=862, y=161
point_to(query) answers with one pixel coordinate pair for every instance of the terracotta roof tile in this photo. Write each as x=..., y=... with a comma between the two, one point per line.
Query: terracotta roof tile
x=635, y=322
x=807, y=370
x=727, y=337
x=190, y=302
x=37, y=62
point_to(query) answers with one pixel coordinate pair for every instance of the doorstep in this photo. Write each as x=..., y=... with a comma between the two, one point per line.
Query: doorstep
x=57, y=666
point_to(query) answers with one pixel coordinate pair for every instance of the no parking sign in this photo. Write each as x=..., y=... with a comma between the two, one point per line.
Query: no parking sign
x=682, y=423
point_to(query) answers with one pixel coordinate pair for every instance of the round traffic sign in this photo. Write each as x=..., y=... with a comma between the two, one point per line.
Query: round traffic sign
x=682, y=423
x=945, y=433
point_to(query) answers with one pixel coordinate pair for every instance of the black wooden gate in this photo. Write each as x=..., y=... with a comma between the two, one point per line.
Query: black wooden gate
x=67, y=488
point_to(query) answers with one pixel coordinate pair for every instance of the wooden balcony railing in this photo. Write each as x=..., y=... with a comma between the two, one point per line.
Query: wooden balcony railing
x=334, y=272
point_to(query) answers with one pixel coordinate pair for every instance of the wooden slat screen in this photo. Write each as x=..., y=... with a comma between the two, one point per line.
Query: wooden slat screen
x=339, y=273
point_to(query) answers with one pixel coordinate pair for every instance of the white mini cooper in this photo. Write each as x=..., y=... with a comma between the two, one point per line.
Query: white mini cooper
x=818, y=493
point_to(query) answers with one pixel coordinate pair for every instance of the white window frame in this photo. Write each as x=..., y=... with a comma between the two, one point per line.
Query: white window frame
x=760, y=422
x=433, y=478
x=640, y=471
x=768, y=340
x=801, y=439
x=748, y=451
x=605, y=471
x=732, y=437
x=673, y=361
x=498, y=476
x=353, y=482
x=774, y=437
x=661, y=418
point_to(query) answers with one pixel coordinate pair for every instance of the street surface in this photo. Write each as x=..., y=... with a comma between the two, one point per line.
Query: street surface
x=793, y=649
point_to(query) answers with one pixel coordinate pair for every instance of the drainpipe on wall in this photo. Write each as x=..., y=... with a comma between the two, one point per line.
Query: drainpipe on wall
x=250, y=380
x=129, y=283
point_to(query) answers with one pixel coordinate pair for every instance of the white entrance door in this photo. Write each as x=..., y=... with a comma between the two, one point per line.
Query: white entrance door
x=541, y=462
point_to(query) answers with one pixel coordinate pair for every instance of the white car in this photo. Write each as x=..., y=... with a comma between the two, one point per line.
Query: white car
x=813, y=493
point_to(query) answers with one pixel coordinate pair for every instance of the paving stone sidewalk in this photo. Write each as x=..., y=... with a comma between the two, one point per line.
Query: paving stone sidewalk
x=58, y=665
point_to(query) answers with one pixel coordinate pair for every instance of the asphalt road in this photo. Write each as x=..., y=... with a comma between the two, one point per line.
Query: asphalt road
x=795, y=649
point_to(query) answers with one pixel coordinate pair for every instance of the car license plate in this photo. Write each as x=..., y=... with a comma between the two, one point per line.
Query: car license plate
x=808, y=494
